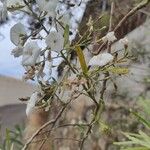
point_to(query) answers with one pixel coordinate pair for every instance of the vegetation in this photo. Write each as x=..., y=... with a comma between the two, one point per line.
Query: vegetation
x=80, y=79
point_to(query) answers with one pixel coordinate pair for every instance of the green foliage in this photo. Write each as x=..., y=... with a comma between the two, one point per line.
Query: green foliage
x=145, y=103
x=81, y=59
x=118, y=70
x=140, y=140
x=13, y=139
x=66, y=37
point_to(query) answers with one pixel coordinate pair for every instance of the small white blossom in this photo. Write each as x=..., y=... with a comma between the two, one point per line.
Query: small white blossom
x=31, y=103
x=16, y=33
x=18, y=51
x=55, y=41
x=101, y=59
x=31, y=53
x=62, y=14
x=110, y=37
x=48, y=5
x=124, y=41
x=3, y=10
x=65, y=19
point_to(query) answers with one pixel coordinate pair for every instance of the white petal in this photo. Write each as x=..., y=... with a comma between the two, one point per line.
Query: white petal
x=65, y=19
x=31, y=53
x=101, y=59
x=110, y=37
x=62, y=14
x=55, y=41
x=31, y=103
x=52, y=14
x=48, y=5
x=18, y=51
x=16, y=33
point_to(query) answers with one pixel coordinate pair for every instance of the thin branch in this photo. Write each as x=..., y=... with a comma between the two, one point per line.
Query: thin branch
x=63, y=56
x=144, y=3
x=110, y=25
x=99, y=107
x=57, y=117
x=35, y=15
x=44, y=126
x=86, y=136
x=97, y=115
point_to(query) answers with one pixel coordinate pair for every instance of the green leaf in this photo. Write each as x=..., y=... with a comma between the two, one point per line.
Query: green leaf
x=81, y=59
x=145, y=103
x=8, y=142
x=66, y=36
x=16, y=141
x=14, y=8
x=140, y=139
x=145, y=137
x=136, y=148
x=118, y=70
x=141, y=119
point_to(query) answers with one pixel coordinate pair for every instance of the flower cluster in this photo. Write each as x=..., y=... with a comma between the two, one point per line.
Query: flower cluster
x=38, y=60
x=28, y=48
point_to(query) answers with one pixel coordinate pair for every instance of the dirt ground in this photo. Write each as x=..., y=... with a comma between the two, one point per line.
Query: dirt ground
x=11, y=89
x=12, y=111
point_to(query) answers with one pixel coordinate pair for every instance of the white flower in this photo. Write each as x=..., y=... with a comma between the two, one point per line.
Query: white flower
x=62, y=14
x=16, y=33
x=48, y=5
x=3, y=10
x=65, y=19
x=59, y=28
x=124, y=41
x=55, y=41
x=101, y=59
x=31, y=103
x=110, y=37
x=18, y=51
x=31, y=53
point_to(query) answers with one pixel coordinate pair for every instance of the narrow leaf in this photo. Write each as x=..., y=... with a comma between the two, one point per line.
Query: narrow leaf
x=66, y=36
x=81, y=59
x=118, y=70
